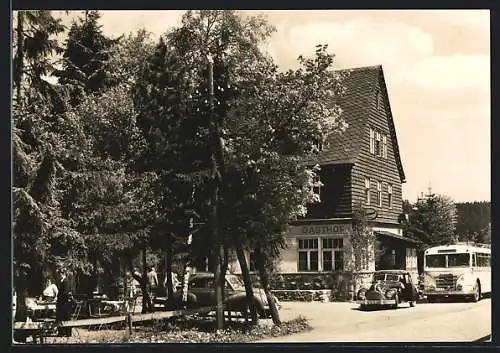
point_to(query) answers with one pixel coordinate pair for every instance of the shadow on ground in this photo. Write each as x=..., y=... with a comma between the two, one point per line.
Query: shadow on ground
x=380, y=307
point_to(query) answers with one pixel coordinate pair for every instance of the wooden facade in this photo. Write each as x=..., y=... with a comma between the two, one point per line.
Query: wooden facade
x=321, y=241
x=348, y=160
x=335, y=193
x=364, y=157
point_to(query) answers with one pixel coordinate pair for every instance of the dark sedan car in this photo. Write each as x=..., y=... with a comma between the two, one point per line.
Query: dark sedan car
x=388, y=288
x=201, y=293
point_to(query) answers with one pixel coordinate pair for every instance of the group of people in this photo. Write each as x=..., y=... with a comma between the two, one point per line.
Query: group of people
x=58, y=291
x=153, y=285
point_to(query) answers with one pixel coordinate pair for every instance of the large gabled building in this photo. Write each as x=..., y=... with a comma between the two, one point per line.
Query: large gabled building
x=360, y=168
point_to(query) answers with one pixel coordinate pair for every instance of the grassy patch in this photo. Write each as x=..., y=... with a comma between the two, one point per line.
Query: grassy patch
x=191, y=330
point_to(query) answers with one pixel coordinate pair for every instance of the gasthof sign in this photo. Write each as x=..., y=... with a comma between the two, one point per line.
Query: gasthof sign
x=338, y=228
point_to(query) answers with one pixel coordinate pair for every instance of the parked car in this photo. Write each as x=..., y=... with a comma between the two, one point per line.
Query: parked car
x=201, y=293
x=388, y=288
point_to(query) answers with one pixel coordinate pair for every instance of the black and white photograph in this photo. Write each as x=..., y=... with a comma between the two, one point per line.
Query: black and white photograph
x=250, y=176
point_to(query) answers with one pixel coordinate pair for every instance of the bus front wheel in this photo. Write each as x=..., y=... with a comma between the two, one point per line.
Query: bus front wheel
x=477, y=293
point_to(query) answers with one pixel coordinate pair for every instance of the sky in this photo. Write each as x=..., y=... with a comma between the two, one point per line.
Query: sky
x=437, y=70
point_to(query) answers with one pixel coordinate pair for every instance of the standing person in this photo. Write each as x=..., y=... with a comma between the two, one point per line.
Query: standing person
x=175, y=282
x=152, y=282
x=130, y=295
x=63, y=303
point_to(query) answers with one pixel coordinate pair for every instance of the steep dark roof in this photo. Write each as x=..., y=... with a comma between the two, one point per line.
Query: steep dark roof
x=360, y=85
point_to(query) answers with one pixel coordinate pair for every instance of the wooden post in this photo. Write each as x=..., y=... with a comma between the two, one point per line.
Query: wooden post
x=129, y=323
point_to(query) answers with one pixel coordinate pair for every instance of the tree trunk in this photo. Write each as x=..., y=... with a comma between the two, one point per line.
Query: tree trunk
x=264, y=279
x=124, y=279
x=22, y=294
x=218, y=255
x=224, y=265
x=142, y=281
x=219, y=289
x=146, y=299
x=248, y=283
x=168, y=269
x=225, y=262
x=215, y=216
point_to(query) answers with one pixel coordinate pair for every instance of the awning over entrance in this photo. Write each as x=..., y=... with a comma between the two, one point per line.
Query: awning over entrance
x=398, y=237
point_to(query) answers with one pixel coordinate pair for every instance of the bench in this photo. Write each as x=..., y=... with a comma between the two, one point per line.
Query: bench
x=38, y=330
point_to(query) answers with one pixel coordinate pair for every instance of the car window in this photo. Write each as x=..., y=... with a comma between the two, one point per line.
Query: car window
x=202, y=283
x=392, y=277
x=198, y=283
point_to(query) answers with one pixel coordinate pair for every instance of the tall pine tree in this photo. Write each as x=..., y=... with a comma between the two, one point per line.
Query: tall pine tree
x=86, y=56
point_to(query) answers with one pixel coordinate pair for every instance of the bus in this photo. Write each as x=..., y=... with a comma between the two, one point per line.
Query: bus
x=460, y=270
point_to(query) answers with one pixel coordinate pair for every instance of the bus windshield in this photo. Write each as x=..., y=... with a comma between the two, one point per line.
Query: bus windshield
x=435, y=260
x=458, y=260
x=454, y=260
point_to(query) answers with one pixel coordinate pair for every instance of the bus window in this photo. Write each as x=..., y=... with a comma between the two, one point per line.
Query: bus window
x=474, y=260
x=483, y=260
x=435, y=261
x=458, y=260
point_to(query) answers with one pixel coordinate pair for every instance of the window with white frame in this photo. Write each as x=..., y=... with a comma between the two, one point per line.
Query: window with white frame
x=372, y=141
x=317, y=184
x=367, y=191
x=379, y=194
x=378, y=143
x=308, y=254
x=333, y=254
x=389, y=195
x=384, y=146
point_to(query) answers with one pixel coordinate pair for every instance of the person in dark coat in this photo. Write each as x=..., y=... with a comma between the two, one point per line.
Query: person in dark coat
x=64, y=303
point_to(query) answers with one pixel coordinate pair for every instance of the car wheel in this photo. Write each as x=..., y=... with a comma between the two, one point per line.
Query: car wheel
x=477, y=293
x=261, y=311
x=363, y=307
x=412, y=304
x=395, y=306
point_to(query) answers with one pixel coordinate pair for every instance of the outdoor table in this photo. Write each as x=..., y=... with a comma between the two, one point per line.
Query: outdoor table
x=42, y=309
x=117, y=305
x=94, y=306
